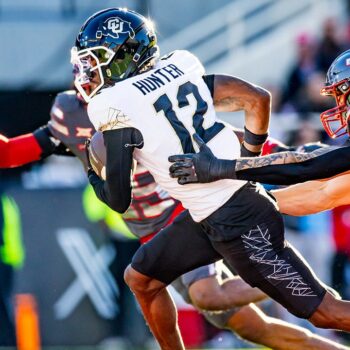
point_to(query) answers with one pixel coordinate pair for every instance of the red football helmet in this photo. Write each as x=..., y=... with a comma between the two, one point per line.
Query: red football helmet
x=335, y=120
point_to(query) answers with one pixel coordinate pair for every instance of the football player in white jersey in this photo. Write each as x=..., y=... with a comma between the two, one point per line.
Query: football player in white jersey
x=148, y=108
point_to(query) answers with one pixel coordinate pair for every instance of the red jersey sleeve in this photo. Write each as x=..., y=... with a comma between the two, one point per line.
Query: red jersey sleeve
x=270, y=146
x=18, y=150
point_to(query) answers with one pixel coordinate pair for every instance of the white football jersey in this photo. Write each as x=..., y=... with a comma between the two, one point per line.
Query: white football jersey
x=168, y=104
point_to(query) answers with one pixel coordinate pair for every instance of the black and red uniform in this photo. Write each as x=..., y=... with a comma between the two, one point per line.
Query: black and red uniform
x=27, y=148
x=19, y=150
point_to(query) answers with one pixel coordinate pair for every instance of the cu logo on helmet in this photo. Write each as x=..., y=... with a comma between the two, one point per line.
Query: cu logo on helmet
x=116, y=26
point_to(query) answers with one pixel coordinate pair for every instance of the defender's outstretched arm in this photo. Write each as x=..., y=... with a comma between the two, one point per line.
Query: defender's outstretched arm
x=27, y=148
x=285, y=168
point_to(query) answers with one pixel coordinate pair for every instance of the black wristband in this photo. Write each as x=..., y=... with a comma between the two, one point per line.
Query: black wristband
x=42, y=135
x=254, y=139
x=247, y=153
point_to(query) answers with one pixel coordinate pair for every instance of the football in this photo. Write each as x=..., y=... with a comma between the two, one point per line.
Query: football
x=97, y=155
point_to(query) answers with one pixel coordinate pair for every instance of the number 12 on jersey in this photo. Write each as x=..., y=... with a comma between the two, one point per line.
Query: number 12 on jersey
x=164, y=104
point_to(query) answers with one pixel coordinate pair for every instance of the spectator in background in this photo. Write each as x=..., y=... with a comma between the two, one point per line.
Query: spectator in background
x=306, y=77
x=312, y=101
x=305, y=133
x=330, y=45
x=300, y=72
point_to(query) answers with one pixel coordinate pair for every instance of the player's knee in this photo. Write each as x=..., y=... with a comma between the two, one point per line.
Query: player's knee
x=206, y=294
x=134, y=279
x=322, y=322
x=328, y=321
x=205, y=299
x=129, y=276
x=326, y=315
x=140, y=283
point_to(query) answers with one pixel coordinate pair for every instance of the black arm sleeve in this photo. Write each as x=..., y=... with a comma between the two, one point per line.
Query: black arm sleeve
x=333, y=162
x=116, y=190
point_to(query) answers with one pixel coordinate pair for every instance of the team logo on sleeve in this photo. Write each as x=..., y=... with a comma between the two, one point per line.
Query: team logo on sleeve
x=116, y=119
x=115, y=26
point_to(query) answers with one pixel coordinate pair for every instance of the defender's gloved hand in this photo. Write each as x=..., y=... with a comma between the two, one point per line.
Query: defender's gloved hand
x=200, y=167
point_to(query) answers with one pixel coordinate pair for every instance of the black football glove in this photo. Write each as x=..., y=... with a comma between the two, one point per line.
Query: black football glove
x=200, y=167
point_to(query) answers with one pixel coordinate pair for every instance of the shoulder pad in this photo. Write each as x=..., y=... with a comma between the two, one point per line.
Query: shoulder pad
x=67, y=101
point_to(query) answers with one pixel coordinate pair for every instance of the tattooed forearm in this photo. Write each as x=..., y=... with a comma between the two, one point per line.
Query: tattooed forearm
x=278, y=158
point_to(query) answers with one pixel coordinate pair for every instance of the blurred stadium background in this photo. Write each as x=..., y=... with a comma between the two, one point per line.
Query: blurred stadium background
x=68, y=288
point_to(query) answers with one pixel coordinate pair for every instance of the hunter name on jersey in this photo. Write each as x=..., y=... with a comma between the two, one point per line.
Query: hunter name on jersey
x=158, y=78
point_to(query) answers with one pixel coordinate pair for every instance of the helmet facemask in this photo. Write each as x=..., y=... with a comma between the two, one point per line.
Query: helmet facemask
x=335, y=120
x=88, y=67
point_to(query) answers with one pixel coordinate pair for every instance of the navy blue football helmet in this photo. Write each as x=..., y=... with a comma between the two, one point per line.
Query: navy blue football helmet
x=112, y=45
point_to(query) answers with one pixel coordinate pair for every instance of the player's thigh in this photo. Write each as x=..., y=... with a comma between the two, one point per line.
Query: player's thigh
x=263, y=258
x=177, y=249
